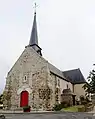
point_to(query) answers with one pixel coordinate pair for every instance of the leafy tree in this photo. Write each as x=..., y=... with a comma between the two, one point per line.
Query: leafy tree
x=90, y=85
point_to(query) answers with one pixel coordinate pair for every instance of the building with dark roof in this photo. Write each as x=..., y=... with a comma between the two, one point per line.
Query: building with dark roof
x=35, y=82
x=75, y=76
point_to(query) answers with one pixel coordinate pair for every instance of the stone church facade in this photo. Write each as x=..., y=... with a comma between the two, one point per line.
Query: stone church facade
x=34, y=81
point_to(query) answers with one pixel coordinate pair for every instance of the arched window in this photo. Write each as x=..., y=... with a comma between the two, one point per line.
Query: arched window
x=67, y=86
x=25, y=79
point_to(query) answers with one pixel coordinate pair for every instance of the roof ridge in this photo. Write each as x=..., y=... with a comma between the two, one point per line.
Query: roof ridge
x=71, y=70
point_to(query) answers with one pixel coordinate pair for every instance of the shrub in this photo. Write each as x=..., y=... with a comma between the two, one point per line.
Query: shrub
x=65, y=104
x=57, y=107
x=90, y=104
x=81, y=109
x=84, y=102
x=82, y=98
x=25, y=108
x=89, y=107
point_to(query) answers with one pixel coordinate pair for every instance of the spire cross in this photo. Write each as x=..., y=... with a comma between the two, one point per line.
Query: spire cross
x=35, y=7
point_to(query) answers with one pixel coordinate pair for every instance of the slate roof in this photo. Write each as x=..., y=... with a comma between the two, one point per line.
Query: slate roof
x=56, y=71
x=34, y=36
x=75, y=76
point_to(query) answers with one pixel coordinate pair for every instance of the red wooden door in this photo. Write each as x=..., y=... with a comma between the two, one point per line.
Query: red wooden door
x=24, y=98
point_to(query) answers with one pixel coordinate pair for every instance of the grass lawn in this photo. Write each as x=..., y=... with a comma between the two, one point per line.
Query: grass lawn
x=72, y=109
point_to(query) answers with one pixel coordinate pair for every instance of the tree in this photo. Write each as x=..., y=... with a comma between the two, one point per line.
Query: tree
x=1, y=99
x=89, y=87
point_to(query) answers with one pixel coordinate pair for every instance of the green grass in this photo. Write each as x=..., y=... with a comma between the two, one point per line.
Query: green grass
x=72, y=109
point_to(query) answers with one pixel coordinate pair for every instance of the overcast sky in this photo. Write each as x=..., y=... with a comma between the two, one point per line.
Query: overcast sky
x=66, y=31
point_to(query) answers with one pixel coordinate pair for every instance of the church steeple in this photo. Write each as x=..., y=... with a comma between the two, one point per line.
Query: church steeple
x=34, y=37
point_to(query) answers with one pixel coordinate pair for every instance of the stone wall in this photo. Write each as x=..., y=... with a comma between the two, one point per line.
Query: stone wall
x=28, y=73
x=31, y=73
x=54, y=84
x=57, y=85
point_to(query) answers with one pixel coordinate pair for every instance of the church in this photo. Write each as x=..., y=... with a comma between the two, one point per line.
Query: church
x=35, y=82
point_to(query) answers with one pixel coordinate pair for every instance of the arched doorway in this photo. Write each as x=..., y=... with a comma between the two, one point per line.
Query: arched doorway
x=24, y=98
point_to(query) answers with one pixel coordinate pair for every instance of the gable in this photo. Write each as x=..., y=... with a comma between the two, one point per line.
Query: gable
x=57, y=72
x=29, y=60
x=75, y=76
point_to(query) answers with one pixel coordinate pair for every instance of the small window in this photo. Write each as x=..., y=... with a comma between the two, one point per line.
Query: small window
x=25, y=79
x=67, y=86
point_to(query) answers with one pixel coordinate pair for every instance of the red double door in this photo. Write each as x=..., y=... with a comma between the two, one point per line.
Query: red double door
x=24, y=98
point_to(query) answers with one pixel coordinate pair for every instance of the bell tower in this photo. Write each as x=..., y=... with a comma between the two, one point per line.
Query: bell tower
x=34, y=36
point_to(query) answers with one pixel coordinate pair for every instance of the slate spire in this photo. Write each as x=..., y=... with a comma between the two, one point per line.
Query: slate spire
x=34, y=37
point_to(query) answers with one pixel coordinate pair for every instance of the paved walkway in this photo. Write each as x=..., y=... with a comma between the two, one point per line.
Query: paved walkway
x=34, y=112
x=19, y=112
x=51, y=116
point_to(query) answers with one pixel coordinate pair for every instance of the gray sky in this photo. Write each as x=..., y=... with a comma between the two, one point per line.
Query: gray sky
x=66, y=31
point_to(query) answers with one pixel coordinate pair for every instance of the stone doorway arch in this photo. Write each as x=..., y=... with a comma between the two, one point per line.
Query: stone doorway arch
x=24, y=96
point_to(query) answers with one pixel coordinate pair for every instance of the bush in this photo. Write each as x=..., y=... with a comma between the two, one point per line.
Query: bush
x=57, y=107
x=84, y=102
x=82, y=98
x=65, y=104
x=81, y=109
x=26, y=108
x=90, y=104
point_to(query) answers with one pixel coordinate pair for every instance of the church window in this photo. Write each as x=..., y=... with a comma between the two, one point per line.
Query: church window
x=25, y=79
x=67, y=86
